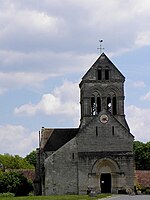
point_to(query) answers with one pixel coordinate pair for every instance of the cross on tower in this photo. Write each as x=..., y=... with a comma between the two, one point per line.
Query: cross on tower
x=100, y=46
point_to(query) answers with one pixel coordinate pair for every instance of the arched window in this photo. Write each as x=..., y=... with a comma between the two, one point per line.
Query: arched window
x=112, y=105
x=95, y=104
x=109, y=104
x=98, y=105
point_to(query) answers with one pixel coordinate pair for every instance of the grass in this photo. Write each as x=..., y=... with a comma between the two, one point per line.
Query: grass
x=57, y=197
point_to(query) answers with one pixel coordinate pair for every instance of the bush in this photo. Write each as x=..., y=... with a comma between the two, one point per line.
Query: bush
x=14, y=183
x=147, y=191
x=8, y=194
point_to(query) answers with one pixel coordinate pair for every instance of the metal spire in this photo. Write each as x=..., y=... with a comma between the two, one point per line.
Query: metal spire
x=100, y=46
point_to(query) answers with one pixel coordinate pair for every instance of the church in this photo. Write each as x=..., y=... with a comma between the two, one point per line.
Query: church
x=97, y=155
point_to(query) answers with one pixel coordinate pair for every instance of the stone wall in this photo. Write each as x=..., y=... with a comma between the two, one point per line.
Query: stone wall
x=92, y=165
x=100, y=137
x=61, y=171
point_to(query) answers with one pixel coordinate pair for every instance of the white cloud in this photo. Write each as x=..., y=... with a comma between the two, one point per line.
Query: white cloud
x=17, y=140
x=63, y=100
x=15, y=24
x=48, y=105
x=139, y=84
x=139, y=122
x=52, y=25
x=51, y=64
x=51, y=33
x=143, y=38
x=16, y=80
x=146, y=96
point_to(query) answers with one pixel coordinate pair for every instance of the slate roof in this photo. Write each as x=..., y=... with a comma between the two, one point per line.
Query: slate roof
x=59, y=137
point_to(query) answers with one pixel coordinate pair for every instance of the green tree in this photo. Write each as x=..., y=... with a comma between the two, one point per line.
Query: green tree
x=142, y=155
x=31, y=158
x=14, y=162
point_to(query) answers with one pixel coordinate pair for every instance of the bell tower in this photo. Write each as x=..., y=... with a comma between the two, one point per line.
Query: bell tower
x=102, y=89
x=104, y=139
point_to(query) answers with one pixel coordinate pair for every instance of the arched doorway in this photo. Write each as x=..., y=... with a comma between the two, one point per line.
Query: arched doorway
x=105, y=175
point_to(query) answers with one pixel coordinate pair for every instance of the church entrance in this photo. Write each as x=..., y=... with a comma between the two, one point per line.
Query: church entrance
x=105, y=183
x=105, y=176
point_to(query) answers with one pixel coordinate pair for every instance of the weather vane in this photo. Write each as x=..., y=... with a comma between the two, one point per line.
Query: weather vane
x=100, y=46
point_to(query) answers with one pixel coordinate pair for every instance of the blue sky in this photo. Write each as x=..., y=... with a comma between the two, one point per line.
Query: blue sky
x=45, y=49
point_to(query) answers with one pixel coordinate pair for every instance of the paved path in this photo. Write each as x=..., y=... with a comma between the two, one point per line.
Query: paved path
x=129, y=197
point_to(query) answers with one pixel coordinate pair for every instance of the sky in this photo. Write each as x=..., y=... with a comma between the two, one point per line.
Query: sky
x=45, y=49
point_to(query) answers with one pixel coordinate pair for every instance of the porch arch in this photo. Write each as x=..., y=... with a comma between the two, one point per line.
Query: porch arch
x=105, y=164
x=101, y=167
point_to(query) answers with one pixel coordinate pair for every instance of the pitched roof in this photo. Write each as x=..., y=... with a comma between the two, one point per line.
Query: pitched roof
x=59, y=137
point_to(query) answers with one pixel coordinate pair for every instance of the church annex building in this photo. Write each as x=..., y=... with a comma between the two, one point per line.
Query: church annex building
x=98, y=154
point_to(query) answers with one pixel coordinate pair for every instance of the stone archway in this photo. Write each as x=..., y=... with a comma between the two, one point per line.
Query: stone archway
x=105, y=176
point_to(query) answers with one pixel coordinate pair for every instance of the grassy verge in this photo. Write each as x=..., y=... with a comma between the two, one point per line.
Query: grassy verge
x=62, y=197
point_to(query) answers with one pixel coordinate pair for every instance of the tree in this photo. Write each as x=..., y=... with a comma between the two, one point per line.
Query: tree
x=142, y=155
x=14, y=162
x=31, y=158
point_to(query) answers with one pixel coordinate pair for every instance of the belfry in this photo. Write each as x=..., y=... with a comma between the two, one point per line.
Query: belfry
x=98, y=155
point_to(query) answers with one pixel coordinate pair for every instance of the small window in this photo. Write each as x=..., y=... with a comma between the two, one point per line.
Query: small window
x=96, y=131
x=72, y=156
x=106, y=74
x=99, y=74
x=113, y=130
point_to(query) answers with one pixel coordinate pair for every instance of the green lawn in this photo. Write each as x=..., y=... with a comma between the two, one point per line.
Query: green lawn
x=63, y=197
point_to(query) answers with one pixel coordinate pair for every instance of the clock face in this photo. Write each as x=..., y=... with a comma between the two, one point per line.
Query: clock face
x=104, y=119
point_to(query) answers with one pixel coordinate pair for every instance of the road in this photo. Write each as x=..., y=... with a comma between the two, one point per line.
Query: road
x=129, y=197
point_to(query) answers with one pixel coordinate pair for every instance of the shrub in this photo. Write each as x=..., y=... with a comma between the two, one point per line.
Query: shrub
x=147, y=191
x=8, y=194
x=14, y=183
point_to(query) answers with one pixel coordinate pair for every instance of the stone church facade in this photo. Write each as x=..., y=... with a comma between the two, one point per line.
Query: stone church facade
x=99, y=154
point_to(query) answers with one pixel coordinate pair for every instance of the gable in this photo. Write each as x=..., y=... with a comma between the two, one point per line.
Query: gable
x=103, y=70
